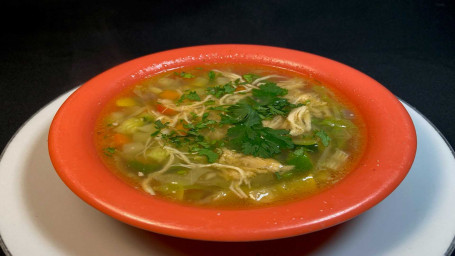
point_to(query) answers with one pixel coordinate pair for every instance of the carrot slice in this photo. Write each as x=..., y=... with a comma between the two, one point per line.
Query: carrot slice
x=169, y=95
x=165, y=110
x=181, y=129
x=240, y=88
x=120, y=139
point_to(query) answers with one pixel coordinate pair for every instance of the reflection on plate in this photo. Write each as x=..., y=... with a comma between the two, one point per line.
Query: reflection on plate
x=39, y=215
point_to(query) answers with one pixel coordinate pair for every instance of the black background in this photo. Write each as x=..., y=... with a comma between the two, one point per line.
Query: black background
x=49, y=47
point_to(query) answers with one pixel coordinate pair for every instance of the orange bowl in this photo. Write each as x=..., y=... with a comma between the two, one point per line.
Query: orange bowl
x=389, y=151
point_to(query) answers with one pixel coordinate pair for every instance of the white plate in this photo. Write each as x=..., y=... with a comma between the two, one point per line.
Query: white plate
x=39, y=215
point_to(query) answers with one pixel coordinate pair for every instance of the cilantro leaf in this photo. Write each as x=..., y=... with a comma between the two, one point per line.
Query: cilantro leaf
x=250, y=77
x=325, y=139
x=212, y=76
x=109, y=151
x=268, y=92
x=192, y=95
x=184, y=74
x=221, y=90
x=159, y=125
x=244, y=111
x=210, y=154
x=258, y=140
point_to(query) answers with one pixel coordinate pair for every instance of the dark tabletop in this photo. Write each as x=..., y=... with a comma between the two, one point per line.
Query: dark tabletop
x=49, y=47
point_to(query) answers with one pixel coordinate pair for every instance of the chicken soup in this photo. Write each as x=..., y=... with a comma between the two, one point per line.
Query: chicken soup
x=230, y=135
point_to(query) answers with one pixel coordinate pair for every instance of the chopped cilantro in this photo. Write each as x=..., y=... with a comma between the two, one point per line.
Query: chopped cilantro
x=278, y=176
x=325, y=139
x=109, y=151
x=211, y=155
x=159, y=125
x=184, y=74
x=147, y=119
x=212, y=76
x=244, y=112
x=191, y=95
x=258, y=140
x=268, y=90
x=221, y=90
x=250, y=77
x=269, y=98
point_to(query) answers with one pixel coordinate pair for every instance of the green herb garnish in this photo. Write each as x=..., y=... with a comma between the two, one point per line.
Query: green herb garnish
x=109, y=151
x=258, y=140
x=184, y=74
x=212, y=76
x=325, y=139
x=250, y=77
x=221, y=90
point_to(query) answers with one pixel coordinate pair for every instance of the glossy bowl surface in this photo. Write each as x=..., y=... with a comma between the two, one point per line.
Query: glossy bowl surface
x=389, y=153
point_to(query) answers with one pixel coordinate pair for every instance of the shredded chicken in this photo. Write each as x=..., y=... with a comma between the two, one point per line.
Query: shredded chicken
x=336, y=160
x=299, y=120
x=293, y=85
x=250, y=164
x=316, y=106
x=230, y=75
x=257, y=81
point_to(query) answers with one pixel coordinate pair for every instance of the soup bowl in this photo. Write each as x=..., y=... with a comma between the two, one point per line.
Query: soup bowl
x=388, y=155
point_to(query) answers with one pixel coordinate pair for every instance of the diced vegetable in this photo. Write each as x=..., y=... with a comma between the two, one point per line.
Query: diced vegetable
x=149, y=128
x=169, y=95
x=301, y=162
x=142, y=167
x=181, y=129
x=165, y=110
x=125, y=102
x=120, y=139
x=155, y=89
x=140, y=137
x=157, y=154
x=172, y=190
x=200, y=81
x=240, y=88
x=132, y=148
x=130, y=125
x=304, y=140
x=166, y=81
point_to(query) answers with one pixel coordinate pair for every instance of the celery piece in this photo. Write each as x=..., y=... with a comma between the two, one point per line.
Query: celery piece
x=175, y=191
x=158, y=154
x=200, y=81
x=142, y=167
x=130, y=125
x=304, y=141
x=301, y=162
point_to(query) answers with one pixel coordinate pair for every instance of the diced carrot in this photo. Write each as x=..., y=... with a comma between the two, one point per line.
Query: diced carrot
x=240, y=88
x=169, y=95
x=181, y=129
x=165, y=110
x=120, y=139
